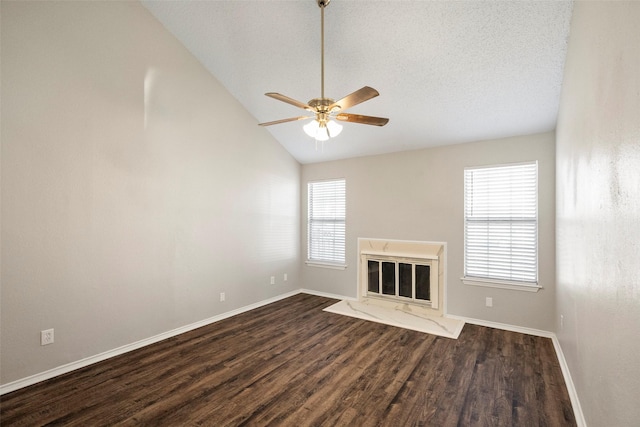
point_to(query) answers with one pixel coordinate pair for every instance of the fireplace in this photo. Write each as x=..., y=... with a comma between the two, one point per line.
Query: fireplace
x=401, y=278
x=403, y=271
x=403, y=284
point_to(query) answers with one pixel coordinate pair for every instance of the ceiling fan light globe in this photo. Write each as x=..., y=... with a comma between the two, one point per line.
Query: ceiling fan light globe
x=334, y=128
x=312, y=128
x=322, y=134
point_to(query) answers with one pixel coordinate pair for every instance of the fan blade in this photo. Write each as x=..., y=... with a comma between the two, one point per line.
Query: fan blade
x=291, y=119
x=365, y=120
x=355, y=98
x=288, y=100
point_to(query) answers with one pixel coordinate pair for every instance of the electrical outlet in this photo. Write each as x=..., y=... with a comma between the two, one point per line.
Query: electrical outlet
x=561, y=322
x=222, y=296
x=46, y=337
x=489, y=302
x=285, y=277
x=273, y=280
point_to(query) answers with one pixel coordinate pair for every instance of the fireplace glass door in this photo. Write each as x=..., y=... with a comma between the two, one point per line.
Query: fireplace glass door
x=399, y=279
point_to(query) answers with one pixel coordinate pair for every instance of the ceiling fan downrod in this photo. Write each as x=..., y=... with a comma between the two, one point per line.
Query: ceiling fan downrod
x=322, y=4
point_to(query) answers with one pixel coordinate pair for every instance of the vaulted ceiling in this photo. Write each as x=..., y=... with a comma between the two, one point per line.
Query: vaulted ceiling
x=447, y=71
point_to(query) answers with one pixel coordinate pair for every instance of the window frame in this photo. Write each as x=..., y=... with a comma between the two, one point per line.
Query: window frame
x=317, y=260
x=490, y=280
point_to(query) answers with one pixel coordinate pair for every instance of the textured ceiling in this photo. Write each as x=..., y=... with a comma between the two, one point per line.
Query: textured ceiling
x=447, y=71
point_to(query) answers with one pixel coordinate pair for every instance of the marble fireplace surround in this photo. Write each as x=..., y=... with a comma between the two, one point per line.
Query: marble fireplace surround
x=404, y=249
x=424, y=318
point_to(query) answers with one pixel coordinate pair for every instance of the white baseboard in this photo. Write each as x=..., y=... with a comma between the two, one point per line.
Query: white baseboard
x=51, y=373
x=571, y=389
x=326, y=294
x=504, y=326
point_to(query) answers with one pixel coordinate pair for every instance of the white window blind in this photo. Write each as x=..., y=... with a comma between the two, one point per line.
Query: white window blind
x=501, y=223
x=326, y=221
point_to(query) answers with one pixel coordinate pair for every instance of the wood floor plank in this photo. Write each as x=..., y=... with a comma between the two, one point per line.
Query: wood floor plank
x=290, y=363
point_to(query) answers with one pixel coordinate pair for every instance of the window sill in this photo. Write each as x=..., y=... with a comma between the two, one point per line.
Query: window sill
x=329, y=265
x=488, y=283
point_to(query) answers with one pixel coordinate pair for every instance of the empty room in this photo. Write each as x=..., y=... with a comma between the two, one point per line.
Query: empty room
x=431, y=219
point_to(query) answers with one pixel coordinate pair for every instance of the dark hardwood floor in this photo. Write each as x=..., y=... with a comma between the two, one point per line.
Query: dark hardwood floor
x=289, y=363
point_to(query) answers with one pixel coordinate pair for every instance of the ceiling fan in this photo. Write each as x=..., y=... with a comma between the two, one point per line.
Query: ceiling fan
x=325, y=109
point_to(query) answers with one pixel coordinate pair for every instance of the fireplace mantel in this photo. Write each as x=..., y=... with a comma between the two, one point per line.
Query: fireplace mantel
x=398, y=254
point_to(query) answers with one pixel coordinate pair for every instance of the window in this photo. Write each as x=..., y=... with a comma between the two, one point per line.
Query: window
x=326, y=223
x=501, y=226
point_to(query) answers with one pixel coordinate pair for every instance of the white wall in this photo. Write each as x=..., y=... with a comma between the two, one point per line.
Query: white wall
x=598, y=211
x=418, y=195
x=135, y=189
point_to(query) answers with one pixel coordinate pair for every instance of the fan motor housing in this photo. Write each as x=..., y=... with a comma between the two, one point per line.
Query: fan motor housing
x=321, y=104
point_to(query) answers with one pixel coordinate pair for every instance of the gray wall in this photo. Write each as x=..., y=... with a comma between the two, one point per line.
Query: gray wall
x=418, y=195
x=598, y=211
x=135, y=189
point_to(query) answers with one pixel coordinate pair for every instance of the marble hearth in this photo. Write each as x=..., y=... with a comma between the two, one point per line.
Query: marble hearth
x=401, y=315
